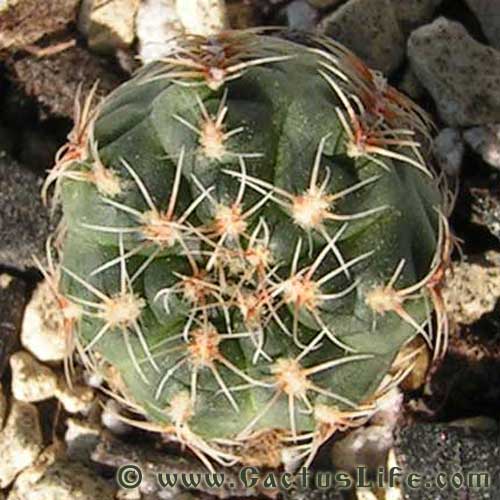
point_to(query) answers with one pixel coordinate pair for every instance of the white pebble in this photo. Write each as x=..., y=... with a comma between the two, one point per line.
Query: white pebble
x=42, y=331
x=31, y=381
x=20, y=441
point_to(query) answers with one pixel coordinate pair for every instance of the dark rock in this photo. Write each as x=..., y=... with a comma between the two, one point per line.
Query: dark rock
x=6, y=140
x=12, y=303
x=410, y=85
x=243, y=14
x=429, y=449
x=37, y=148
x=24, y=221
x=53, y=80
x=449, y=150
x=24, y=136
x=325, y=4
x=467, y=382
x=414, y=13
x=488, y=14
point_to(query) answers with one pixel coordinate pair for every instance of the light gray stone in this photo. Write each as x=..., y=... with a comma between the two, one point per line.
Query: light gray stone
x=300, y=15
x=449, y=150
x=370, y=29
x=462, y=75
x=486, y=142
x=488, y=14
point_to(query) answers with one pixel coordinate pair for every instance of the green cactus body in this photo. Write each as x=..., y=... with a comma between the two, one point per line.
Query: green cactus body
x=252, y=237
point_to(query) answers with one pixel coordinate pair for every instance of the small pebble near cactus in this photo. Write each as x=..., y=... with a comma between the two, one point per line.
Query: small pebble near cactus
x=252, y=234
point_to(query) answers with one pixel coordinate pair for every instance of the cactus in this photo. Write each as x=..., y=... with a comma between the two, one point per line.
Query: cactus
x=253, y=233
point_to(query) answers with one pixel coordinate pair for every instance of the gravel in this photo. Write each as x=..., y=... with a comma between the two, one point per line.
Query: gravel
x=43, y=332
x=20, y=441
x=486, y=142
x=449, y=150
x=461, y=74
x=108, y=25
x=31, y=381
x=429, y=448
x=24, y=22
x=472, y=290
x=369, y=28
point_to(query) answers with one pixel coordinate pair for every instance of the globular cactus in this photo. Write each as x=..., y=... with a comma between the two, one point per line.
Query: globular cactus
x=253, y=234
